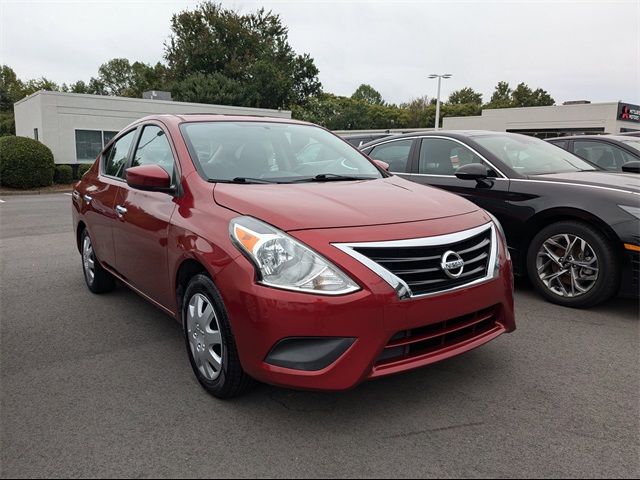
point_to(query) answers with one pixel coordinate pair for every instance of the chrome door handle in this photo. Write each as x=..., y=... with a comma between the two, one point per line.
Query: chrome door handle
x=87, y=198
x=120, y=210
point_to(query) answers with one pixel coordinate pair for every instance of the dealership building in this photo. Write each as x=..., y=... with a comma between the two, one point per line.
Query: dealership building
x=76, y=126
x=572, y=118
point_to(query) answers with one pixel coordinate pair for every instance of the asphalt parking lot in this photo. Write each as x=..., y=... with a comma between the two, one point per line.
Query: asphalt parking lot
x=100, y=386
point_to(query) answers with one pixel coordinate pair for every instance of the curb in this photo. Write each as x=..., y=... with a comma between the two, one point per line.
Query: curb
x=33, y=192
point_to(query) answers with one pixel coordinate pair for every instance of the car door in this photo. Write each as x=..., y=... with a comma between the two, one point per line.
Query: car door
x=436, y=161
x=100, y=197
x=394, y=152
x=141, y=232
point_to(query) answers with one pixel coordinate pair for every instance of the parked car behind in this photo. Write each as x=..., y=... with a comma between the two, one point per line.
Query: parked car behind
x=359, y=139
x=609, y=152
x=285, y=268
x=575, y=230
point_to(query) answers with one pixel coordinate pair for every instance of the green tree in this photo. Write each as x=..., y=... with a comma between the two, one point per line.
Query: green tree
x=523, y=96
x=252, y=49
x=421, y=112
x=215, y=89
x=11, y=88
x=368, y=94
x=465, y=95
x=501, y=97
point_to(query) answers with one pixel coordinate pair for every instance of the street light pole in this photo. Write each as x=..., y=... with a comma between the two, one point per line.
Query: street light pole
x=439, y=77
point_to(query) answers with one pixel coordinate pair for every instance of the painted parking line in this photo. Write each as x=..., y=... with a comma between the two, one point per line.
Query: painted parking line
x=67, y=194
x=1, y=201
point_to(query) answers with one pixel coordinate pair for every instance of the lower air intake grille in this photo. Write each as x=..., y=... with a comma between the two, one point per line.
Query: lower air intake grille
x=438, y=336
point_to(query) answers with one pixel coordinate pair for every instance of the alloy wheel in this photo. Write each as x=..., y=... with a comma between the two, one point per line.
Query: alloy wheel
x=567, y=265
x=205, y=338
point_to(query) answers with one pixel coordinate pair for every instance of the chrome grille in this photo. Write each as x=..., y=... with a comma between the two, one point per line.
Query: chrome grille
x=415, y=267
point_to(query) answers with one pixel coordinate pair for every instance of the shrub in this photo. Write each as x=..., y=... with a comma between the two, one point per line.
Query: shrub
x=63, y=174
x=82, y=169
x=25, y=163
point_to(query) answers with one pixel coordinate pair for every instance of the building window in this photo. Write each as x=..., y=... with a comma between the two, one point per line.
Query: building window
x=107, y=136
x=35, y=134
x=89, y=143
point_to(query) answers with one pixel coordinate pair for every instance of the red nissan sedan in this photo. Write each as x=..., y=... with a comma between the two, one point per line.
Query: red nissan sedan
x=288, y=256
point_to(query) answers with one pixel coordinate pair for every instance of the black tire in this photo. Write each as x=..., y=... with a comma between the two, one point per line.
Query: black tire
x=608, y=279
x=232, y=379
x=101, y=281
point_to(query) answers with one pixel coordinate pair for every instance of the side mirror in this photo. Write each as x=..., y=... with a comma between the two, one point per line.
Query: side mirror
x=631, y=167
x=152, y=178
x=472, y=171
x=382, y=165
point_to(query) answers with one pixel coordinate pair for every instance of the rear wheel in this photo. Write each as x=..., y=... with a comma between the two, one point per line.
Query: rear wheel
x=573, y=264
x=98, y=280
x=210, y=342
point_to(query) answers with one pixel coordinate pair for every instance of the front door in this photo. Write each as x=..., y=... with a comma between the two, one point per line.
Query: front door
x=142, y=229
x=436, y=162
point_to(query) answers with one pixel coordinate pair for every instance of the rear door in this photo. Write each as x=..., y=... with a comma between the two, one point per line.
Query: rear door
x=100, y=197
x=143, y=218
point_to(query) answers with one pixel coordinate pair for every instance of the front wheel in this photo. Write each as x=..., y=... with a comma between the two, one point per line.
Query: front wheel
x=573, y=264
x=210, y=342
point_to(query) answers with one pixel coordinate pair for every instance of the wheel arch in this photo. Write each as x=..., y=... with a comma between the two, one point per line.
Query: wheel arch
x=553, y=215
x=81, y=228
x=189, y=267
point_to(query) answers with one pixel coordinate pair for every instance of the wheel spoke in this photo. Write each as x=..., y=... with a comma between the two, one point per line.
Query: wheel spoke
x=567, y=265
x=214, y=359
x=212, y=337
x=204, y=336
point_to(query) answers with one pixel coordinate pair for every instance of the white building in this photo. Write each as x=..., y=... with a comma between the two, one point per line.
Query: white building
x=554, y=121
x=76, y=126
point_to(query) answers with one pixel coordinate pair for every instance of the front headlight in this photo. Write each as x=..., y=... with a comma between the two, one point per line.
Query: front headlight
x=283, y=262
x=635, y=211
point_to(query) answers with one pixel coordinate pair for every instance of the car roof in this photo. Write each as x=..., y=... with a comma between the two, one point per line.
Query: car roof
x=178, y=118
x=459, y=134
x=591, y=137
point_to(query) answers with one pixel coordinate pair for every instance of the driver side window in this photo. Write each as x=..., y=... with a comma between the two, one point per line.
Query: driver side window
x=115, y=159
x=154, y=149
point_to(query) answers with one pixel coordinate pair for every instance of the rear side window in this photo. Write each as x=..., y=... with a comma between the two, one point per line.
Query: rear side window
x=396, y=154
x=564, y=144
x=116, y=158
x=154, y=149
x=605, y=155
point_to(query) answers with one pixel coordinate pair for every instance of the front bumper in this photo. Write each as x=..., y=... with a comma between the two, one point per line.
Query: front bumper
x=629, y=235
x=262, y=317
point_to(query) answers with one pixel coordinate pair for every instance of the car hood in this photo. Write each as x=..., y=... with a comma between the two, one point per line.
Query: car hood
x=340, y=204
x=629, y=182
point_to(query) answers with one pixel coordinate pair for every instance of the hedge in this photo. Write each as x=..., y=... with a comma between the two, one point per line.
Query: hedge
x=82, y=169
x=63, y=175
x=25, y=163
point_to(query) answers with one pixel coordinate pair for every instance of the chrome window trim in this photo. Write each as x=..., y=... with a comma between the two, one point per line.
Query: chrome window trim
x=400, y=286
x=422, y=137
x=599, y=187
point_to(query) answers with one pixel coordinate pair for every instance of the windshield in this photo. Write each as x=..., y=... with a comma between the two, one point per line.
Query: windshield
x=532, y=156
x=263, y=152
x=633, y=143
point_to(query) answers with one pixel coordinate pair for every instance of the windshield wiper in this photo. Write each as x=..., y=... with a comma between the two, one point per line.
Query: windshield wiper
x=330, y=177
x=240, y=180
